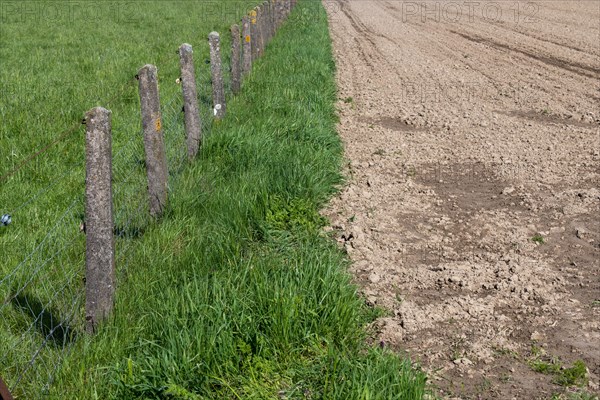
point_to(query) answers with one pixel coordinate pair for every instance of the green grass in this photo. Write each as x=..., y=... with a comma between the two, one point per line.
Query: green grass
x=58, y=60
x=543, y=363
x=235, y=293
x=563, y=376
x=539, y=239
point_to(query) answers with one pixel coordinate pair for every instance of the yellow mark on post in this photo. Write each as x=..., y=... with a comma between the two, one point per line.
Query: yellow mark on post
x=247, y=38
x=158, y=124
x=253, y=13
x=254, y=20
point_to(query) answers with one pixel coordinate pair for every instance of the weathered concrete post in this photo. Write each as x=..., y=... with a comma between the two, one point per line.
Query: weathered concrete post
x=261, y=28
x=254, y=34
x=4, y=392
x=268, y=20
x=288, y=8
x=259, y=37
x=236, y=72
x=246, y=46
x=154, y=144
x=280, y=7
x=216, y=70
x=274, y=15
x=193, y=125
x=100, y=245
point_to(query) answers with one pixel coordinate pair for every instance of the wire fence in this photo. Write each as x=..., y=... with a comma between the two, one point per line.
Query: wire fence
x=43, y=236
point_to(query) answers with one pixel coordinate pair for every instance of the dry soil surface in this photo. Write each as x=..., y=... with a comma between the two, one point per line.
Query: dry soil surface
x=472, y=207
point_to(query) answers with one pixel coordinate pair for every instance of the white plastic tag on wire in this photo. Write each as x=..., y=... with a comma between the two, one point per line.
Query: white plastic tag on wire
x=5, y=220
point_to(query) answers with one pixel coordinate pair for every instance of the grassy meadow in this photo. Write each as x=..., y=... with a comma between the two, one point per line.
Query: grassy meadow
x=236, y=293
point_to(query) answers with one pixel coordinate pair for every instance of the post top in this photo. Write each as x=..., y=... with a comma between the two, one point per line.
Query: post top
x=97, y=111
x=213, y=34
x=149, y=67
x=100, y=109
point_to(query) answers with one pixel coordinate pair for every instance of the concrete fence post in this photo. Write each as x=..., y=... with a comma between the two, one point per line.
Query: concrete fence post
x=4, y=392
x=193, y=125
x=246, y=46
x=236, y=72
x=259, y=36
x=154, y=144
x=216, y=71
x=254, y=34
x=280, y=9
x=262, y=28
x=100, y=245
x=288, y=7
x=269, y=20
x=274, y=15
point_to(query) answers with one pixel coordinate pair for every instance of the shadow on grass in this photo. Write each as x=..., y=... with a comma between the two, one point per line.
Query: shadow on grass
x=128, y=232
x=47, y=321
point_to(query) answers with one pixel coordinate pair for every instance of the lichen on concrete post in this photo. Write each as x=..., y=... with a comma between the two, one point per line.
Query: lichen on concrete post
x=246, y=46
x=154, y=144
x=191, y=110
x=216, y=71
x=100, y=246
x=236, y=73
x=254, y=34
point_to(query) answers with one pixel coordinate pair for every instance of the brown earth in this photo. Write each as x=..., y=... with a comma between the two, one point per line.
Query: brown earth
x=472, y=136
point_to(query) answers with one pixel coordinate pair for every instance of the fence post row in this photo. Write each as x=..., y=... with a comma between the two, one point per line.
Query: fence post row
x=216, y=70
x=193, y=125
x=257, y=29
x=100, y=246
x=154, y=144
x=246, y=46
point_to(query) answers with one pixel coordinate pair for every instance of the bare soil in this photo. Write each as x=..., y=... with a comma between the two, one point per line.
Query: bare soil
x=472, y=207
